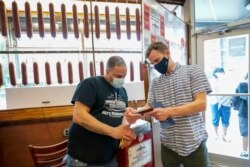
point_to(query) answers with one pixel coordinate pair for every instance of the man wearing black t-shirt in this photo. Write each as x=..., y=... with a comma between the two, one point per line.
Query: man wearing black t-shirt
x=98, y=122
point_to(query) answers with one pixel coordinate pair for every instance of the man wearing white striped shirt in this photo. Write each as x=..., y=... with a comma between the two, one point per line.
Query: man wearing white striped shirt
x=182, y=91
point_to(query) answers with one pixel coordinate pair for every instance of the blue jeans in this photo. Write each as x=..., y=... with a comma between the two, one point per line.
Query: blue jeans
x=72, y=162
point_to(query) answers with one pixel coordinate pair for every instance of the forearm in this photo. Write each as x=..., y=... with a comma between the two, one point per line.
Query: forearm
x=198, y=105
x=90, y=123
x=187, y=109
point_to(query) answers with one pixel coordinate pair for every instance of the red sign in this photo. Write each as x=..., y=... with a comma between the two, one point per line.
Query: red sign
x=146, y=17
x=153, y=38
x=167, y=43
x=162, y=26
x=182, y=42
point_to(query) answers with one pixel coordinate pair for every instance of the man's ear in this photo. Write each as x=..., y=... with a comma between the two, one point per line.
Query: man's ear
x=107, y=71
x=167, y=52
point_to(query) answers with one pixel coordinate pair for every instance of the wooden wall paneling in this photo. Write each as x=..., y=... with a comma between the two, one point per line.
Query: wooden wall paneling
x=21, y=127
x=14, y=141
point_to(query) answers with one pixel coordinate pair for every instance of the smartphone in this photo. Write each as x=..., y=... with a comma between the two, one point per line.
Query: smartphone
x=143, y=111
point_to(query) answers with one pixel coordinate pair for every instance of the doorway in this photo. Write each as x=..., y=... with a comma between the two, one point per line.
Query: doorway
x=225, y=58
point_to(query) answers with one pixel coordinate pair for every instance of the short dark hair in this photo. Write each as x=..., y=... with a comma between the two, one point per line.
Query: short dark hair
x=115, y=61
x=159, y=46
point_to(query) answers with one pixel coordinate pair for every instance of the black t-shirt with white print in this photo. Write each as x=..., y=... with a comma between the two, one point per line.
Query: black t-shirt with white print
x=106, y=104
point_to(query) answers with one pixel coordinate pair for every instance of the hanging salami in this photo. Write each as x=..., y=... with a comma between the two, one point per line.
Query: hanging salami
x=36, y=73
x=59, y=72
x=141, y=71
x=40, y=20
x=86, y=21
x=131, y=71
x=102, y=68
x=12, y=74
x=107, y=22
x=128, y=27
x=97, y=22
x=1, y=75
x=117, y=23
x=91, y=69
x=75, y=21
x=3, y=19
x=52, y=20
x=28, y=20
x=64, y=21
x=47, y=73
x=24, y=74
x=80, y=68
x=70, y=72
x=138, y=24
x=16, y=20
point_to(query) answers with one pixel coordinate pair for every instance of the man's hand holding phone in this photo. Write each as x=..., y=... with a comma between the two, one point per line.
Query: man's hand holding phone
x=143, y=111
x=131, y=115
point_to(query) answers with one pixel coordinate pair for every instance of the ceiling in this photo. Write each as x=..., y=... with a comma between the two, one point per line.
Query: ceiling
x=214, y=12
x=172, y=2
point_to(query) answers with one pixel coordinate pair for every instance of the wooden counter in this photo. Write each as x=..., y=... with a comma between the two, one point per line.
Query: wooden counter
x=38, y=126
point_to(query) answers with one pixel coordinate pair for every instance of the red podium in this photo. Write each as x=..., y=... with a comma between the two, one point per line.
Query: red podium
x=140, y=151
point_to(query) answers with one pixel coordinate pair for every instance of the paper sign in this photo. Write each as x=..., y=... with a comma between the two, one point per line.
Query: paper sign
x=140, y=154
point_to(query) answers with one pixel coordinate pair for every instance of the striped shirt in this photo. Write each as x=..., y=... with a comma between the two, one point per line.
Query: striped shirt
x=176, y=89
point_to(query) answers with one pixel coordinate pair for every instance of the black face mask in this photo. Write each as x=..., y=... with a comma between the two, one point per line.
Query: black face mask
x=162, y=66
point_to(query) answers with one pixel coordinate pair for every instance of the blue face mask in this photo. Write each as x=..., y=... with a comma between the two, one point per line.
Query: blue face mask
x=117, y=82
x=162, y=66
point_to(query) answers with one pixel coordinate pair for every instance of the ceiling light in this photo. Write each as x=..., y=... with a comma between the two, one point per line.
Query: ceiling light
x=247, y=6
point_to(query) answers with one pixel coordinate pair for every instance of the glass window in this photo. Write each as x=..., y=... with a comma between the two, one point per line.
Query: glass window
x=227, y=65
x=70, y=50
